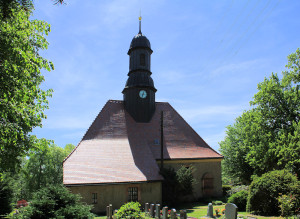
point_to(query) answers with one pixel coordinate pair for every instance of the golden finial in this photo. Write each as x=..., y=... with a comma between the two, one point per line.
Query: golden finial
x=140, y=22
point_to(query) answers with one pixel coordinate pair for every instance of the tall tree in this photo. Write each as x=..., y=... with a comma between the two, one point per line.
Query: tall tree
x=267, y=137
x=5, y=5
x=22, y=101
x=42, y=167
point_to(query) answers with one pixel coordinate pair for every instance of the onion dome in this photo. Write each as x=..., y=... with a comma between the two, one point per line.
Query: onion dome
x=139, y=41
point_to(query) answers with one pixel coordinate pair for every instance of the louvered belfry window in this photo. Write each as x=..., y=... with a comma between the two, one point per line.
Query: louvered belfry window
x=133, y=194
x=142, y=59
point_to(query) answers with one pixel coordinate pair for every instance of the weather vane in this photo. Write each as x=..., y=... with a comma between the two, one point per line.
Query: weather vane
x=140, y=22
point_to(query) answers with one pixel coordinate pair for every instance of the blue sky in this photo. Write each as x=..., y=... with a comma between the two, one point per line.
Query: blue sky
x=208, y=57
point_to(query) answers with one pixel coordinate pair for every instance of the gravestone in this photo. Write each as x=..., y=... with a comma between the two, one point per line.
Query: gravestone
x=183, y=214
x=231, y=211
x=173, y=214
x=107, y=211
x=157, y=211
x=165, y=213
x=110, y=211
x=210, y=210
x=152, y=210
x=146, y=207
x=115, y=214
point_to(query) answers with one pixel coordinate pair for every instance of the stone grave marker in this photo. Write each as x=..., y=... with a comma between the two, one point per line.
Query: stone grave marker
x=183, y=214
x=210, y=210
x=173, y=214
x=231, y=211
x=110, y=211
x=157, y=211
x=152, y=210
x=146, y=207
x=115, y=214
x=107, y=211
x=165, y=213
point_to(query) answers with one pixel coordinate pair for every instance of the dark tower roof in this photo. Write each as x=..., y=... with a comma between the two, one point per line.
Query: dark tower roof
x=139, y=41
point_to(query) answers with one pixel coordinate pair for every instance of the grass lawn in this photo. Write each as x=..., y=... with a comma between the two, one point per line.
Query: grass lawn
x=198, y=210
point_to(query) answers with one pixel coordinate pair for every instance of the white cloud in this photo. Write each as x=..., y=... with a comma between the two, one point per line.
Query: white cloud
x=68, y=122
x=241, y=67
x=209, y=112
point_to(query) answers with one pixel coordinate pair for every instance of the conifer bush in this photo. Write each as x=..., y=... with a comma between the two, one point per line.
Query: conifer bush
x=177, y=184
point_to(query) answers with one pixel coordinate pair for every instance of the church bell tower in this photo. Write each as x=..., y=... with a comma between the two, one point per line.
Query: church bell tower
x=139, y=91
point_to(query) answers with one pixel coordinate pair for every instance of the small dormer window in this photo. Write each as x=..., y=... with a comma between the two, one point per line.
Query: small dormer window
x=142, y=59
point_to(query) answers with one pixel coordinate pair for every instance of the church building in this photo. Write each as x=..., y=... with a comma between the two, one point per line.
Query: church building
x=119, y=157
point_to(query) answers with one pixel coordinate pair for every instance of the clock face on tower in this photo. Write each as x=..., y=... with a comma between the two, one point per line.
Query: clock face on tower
x=143, y=94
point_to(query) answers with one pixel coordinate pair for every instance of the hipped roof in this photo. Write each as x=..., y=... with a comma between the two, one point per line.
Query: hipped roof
x=116, y=149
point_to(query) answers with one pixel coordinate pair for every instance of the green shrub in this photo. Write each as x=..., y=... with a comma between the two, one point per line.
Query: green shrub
x=287, y=205
x=239, y=199
x=225, y=189
x=265, y=190
x=235, y=189
x=217, y=202
x=130, y=210
x=185, y=180
x=55, y=202
x=177, y=184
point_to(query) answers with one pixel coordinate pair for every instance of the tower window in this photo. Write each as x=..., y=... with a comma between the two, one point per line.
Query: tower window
x=133, y=194
x=130, y=62
x=142, y=59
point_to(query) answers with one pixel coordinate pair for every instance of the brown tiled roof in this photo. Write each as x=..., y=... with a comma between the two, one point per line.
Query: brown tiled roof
x=116, y=149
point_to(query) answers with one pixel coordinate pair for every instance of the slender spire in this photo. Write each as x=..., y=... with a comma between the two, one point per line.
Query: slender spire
x=140, y=21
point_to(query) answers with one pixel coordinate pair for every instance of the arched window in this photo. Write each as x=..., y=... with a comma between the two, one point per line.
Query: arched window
x=207, y=185
x=142, y=59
